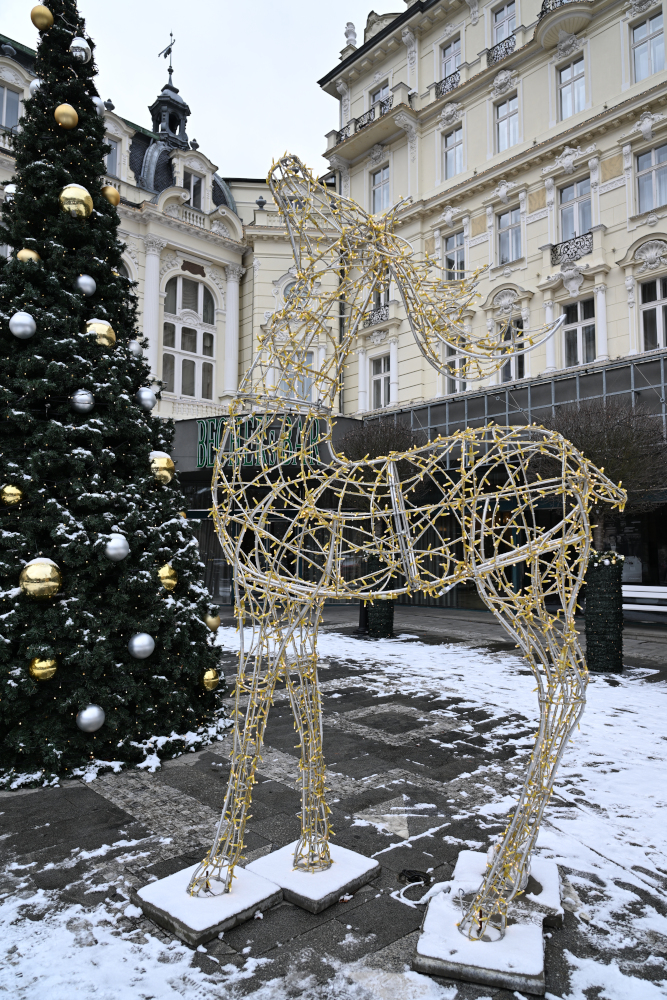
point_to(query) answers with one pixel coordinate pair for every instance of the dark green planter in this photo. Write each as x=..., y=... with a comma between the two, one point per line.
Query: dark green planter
x=380, y=620
x=604, y=613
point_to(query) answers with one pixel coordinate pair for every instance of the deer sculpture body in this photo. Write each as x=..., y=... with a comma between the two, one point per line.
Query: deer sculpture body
x=292, y=514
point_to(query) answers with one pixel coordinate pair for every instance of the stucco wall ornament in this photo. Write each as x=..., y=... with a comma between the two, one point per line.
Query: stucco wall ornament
x=504, y=301
x=503, y=189
x=215, y=275
x=572, y=276
x=378, y=337
x=645, y=124
x=408, y=125
x=450, y=114
x=376, y=154
x=567, y=44
x=566, y=160
x=344, y=92
x=220, y=228
x=447, y=216
x=171, y=260
x=636, y=7
x=9, y=76
x=474, y=10
x=652, y=255
x=341, y=164
x=172, y=209
x=411, y=45
x=503, y=81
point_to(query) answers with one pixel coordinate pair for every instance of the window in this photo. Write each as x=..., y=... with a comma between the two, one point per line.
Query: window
x=380, y=94
x=579, y=333
x=380, y=190
x=514, y=368
x=507, y=123
x=454, y=257
x=453, y=153
x=301, y=386
x=451, y=58
x=9, y=107
x=654, y=313
x=571, y=88
x=509, y=236
x=381, y=295
x=454, y=384
x=193, y=184
x=112, y=159
x=652, y=178
x=648, y=48
x=380, y=381
x=575, y=209
x=185, y=341
x=504, y=20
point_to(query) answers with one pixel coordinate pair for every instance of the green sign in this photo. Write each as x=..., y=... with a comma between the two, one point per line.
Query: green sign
x=274, y=448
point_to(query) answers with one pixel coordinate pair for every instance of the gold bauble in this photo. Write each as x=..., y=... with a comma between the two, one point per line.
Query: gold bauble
x=111, y=194
x=168, y=576
x=103, y=331
x=210, y=680
x=76, y=200
x=11, y=495
x=26, y=255
x=213, y=622
x=41, y=17
x=183, y=515
x=162, y=466
x=66, y=116
x=40, y=578
x=42, y=670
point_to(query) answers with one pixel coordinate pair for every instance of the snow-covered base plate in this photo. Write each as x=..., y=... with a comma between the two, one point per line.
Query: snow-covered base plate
x=196, y=919
x=517, y=961
x=314, y=891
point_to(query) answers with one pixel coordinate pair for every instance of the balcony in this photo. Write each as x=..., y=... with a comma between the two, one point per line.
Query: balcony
x=558, y=16
x=501, y=50
x=356, y=124
x=572, y=250
x=450, y=82
x=379, y=315
x=6, y=138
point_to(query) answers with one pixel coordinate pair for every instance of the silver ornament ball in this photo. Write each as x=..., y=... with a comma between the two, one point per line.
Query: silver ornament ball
x=84, y=283
x=22, y=325
x=10, y=191
x=141, y=645
x=90, y=719
x=117, y=547
x=99, y=104
x=136, y=350
x=82, y=401
x=34, y=86
x=80, y=49
x=146, y=398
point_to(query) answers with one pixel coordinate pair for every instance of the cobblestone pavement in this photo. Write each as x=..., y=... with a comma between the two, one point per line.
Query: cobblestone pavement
x=395, y=790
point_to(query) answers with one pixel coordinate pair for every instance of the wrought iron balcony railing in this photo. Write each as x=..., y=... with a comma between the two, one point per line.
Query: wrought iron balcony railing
x=386, y=105
x=366, y=119
x=573, y=249
x=450, y=82
x=355, y=124
x=345, y=132
x=379, y=315
x=501, y=50
x=549, y=5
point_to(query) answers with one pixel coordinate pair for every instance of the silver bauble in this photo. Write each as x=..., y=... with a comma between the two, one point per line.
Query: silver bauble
x=22, y=325
x=141, y=645
x=90, y=719
x=136, y=350
x=82, y=401
x=99, y=104
x=117, y=547
x=10, y=191
x=146, y=398
x=80, y=49
x=84, y=283
x=34, y=86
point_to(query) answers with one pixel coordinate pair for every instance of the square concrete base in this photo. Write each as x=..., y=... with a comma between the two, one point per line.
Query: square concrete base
x=314, y=891
x=517, y=961
x=196, y=919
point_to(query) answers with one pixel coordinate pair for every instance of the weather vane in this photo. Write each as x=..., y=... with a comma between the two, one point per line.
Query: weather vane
x=167, y=52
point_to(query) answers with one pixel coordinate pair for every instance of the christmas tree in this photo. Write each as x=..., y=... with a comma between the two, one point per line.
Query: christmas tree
x=105, y=653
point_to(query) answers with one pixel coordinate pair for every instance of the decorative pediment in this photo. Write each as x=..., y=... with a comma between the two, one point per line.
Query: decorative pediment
x=651, y=255
x=571, y=157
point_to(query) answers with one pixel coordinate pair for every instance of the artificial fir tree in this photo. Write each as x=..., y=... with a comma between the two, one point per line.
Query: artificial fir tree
x=81, y=477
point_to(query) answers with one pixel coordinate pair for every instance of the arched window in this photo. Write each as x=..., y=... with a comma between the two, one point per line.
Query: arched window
x=188, y=339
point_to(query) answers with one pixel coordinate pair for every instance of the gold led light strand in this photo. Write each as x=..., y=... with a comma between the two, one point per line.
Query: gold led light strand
x=295, y=518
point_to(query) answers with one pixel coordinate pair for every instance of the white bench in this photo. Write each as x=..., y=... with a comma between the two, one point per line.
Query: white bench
x=639, y=593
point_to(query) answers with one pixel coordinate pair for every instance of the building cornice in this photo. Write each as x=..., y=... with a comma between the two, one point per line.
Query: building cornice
x=146, y=213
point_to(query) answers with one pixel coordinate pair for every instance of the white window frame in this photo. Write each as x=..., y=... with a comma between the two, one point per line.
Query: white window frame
x=382, y=379
x=190, y=319
x=634, y=46
x=456, y=56
x=194, y=176
x=655, y=168
x=575, y=204
x=659, y=305
x=459, y=255
x=516, y=367
x=303, y=385
x=497, y=120
x=3, y=105
x=375, y=91
x=497, y=27
x=457, y=147
x=561, y=86
x=515, y=225
x=384, y=185
x=117, y=147
x=580, y=325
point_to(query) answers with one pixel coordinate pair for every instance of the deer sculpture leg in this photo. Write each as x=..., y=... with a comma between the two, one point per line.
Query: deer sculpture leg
x=549, y=643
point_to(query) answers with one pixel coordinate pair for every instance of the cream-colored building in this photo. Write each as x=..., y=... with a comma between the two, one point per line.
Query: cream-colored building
x=532, y=140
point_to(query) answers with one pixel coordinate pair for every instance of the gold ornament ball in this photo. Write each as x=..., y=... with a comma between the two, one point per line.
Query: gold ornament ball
x=41, y=17
x=40, y=579
x=168, y=576
x=66, y=116
x=103, y=331
x=26, y=255
x=162, y=466
x=42, y=670
x=11, y=495
x=213, y=622
x=111, y=194
x=210, y=680
x=76, y=200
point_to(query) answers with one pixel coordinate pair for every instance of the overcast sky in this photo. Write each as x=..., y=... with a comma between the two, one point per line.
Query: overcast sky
x=247, y=70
